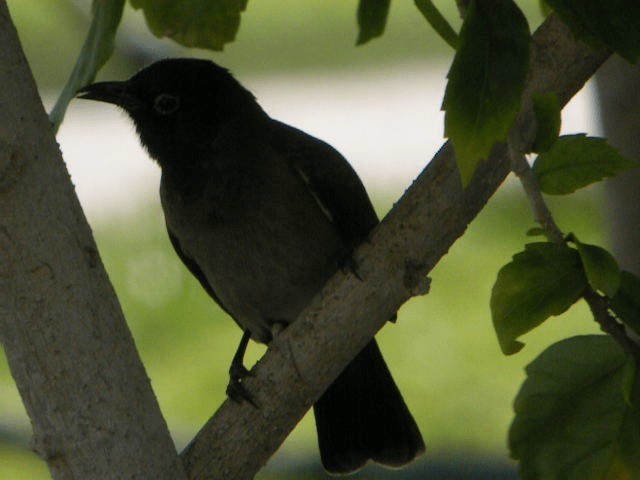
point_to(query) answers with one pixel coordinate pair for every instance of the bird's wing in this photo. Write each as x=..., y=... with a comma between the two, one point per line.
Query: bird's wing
x=194, y=268
x=330, y=179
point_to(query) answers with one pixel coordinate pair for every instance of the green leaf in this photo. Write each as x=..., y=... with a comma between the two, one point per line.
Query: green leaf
x=571, y=418
x=544, y=280
x=603, y=272
x=611, y=23
x=575, y=161
x=372, y=18
x=626, y=302
x=547, y=110
x=438, y=22
x=486, y=80
x=96, y=50
x=193, y=23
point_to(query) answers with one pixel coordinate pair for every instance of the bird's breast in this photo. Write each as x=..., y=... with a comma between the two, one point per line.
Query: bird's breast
x=265, y=247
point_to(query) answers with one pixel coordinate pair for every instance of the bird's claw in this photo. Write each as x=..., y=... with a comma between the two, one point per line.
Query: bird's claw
x=236, y=389
x=350, y=265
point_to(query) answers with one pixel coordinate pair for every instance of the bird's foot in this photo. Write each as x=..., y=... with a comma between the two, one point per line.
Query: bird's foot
x=348, y=264
x=236, y=390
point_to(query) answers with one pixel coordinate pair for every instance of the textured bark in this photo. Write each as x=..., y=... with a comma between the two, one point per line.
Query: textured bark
x=433, y=213
x=93, y=412
x=619, y=101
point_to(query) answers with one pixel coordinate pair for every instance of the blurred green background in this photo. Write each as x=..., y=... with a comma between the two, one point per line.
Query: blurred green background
x=442, y=350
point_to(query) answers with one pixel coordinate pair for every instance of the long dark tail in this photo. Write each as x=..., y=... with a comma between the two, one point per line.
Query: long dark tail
x=362, y=416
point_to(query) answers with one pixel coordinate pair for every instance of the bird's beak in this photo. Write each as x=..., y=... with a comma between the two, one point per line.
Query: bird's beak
x=116, y=93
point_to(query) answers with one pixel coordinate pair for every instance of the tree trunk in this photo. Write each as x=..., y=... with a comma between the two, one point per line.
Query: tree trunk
x=618, y=85
x=93, y=412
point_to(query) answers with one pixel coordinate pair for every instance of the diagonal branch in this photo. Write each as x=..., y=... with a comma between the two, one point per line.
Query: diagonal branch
x=238, y=440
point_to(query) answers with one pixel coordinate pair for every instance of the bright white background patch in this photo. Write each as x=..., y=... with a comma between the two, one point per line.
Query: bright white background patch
x=387, y=123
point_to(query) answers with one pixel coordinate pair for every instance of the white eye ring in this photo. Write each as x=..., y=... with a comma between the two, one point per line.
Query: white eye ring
x=166, y=104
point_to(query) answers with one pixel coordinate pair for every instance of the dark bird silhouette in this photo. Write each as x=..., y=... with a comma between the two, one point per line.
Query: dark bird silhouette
x=263, y=214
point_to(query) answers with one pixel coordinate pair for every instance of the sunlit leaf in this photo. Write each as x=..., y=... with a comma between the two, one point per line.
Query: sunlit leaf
x=486, y=80
x=193, y=23
x=575, y=161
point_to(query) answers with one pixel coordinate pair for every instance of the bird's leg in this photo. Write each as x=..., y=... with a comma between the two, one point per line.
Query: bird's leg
x=236, y=390
x=277, y=327
x=348, y=263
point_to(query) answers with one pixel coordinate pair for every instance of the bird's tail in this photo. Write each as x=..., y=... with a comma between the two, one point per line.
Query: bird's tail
x=362, y=416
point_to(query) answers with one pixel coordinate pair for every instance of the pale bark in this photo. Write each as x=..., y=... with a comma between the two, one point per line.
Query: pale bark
x=93, y=412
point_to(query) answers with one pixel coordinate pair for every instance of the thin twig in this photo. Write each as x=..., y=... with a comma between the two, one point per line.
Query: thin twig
x=541, y=211
x=608, y=324
x=597, y=303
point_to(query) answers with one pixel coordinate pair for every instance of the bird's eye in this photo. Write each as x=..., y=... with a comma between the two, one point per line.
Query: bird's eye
x=166, y=104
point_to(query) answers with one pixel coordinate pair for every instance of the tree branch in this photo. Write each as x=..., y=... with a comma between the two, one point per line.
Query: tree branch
x=597, y=303
x=600, y=310
x=304, y=359
x=93, y=412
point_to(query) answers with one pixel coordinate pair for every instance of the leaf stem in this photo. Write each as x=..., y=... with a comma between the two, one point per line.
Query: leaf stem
x=600, y=309
x=598, y=304
x=438, y=22
x=541, y=211
x=96, y=50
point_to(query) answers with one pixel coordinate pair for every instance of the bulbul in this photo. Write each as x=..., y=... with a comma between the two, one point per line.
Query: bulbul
x=263, y=214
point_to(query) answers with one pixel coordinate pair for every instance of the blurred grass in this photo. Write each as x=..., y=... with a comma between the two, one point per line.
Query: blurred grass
x=19, y=464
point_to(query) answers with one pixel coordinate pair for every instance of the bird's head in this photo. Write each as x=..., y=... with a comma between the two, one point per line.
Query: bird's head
x=179, y=105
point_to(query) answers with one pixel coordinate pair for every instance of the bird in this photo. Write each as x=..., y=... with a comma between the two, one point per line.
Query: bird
x=263, y=214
